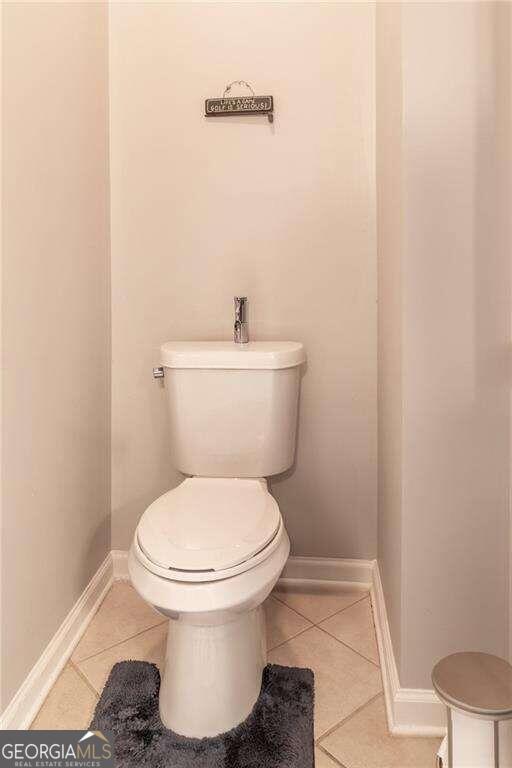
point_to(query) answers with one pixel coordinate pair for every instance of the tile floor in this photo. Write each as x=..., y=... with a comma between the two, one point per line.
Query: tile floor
x=325, y=627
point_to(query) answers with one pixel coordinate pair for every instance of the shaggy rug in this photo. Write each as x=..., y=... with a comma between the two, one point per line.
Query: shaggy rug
x=277, y=734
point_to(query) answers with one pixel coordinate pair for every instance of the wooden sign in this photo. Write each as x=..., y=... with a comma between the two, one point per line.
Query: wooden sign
x=240, y=105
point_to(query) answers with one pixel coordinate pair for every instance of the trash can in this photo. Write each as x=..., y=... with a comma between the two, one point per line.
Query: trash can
x=477, y=691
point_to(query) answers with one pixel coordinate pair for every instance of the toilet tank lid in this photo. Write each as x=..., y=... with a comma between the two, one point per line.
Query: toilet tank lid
x=269, y=355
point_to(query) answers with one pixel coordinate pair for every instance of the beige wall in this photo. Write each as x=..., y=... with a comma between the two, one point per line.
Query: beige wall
x=452, y=537
x=284, y=213
x=55, y=526
x=505, y=37
x=388, y=89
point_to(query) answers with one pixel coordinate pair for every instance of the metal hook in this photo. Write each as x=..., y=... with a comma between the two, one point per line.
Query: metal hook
x=243, y=83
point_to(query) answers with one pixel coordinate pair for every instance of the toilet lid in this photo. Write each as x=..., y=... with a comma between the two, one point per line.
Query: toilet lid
x=209, y=524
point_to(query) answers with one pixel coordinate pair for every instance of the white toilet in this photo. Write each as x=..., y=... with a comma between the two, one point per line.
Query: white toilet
x=208, y=553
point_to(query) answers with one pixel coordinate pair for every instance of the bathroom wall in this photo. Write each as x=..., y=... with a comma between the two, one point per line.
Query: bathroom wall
x=388, y=89
x=202, y=210
x=445, y=557
x=55, y=428
x=506, y=196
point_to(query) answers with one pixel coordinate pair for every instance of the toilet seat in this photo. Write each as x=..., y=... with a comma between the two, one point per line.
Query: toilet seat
x=208, y=529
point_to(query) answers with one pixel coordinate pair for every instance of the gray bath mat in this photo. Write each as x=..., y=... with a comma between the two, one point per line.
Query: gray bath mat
x=277, y=734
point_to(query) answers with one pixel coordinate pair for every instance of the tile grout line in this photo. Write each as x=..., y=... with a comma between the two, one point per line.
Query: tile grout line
x=84, y=677
x=342, y=642
x=326, y=752
x=302, y=631
x=318, y=741
x=319, y=626
x=80, y=675
x=330, y=616
x=119, y=642
x=293, y=610
x=282, y=602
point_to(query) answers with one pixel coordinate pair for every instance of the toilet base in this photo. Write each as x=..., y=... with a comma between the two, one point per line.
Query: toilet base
x=212, y=674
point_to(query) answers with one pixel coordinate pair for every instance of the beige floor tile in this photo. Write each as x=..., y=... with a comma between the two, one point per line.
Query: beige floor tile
x=148, y=646
x=69, y=705
x=364, y=742
x=282, y=623
x=354, y=626
x=121, y=615
x=344, y=680
x=318, y=601
x=322, y=761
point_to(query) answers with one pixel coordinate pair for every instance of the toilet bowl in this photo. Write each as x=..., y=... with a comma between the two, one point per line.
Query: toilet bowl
x=207, y=553
x=216, y=640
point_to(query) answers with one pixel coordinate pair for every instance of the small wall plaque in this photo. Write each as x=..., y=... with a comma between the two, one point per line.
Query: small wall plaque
x=240, y=105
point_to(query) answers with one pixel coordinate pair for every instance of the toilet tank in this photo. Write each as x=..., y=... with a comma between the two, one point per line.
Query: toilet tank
x=233, y=407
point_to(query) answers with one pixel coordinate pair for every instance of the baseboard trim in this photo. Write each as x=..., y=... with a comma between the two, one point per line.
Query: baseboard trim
x=410, y=711
x=296, y=569
x=329, y=569
x=120, y=565
x=25, y=704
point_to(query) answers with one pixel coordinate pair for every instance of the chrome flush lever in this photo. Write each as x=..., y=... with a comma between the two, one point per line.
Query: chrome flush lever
x=240, y=330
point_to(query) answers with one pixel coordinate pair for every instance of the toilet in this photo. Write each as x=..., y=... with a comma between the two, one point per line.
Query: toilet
x=207, y=553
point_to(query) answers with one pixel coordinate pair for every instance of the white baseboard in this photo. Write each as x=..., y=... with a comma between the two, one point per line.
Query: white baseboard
x=296, y=569
x=120, y=565
x=26, y=703
x=329, y=569
x=410, y=711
